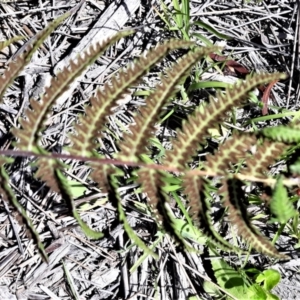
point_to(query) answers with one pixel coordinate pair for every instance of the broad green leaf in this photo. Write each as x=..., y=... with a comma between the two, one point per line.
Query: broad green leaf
x=229, y=279
x=295, y=168
x=270, y=278
x=256, y=292
x=272, y=297
x=189, y=231
x=211, y=289
x=122, y=217
x=207, y=84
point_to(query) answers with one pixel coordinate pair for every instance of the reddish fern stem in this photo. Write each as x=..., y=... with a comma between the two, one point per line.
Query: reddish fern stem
x=292, y=181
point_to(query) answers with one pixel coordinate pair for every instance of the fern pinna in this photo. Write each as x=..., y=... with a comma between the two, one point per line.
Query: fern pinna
x=135, y=146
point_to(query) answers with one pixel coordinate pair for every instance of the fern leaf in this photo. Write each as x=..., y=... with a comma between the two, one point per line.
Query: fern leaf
x=90, y=125
x=233, y=199
x=200, y=211
x=136, y=139
x=15, y=67
x=265, y=155
x=194, y=130
x=8, y=195
x=283, y=134
x=152, y=183
x=115, y=198
x=229, y=153
x=31, y=127
x=280, y=204
x=66, y=193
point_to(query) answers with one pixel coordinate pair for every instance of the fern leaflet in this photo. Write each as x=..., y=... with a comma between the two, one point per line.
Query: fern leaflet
x=280, y=204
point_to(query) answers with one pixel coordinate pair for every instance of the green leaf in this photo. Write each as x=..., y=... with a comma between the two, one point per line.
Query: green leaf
x=256, y=292
x=207, y=84
x=229, y=279
x=114, y=195
x=146, y=254
x=282, y=134
x=211, y=289
x=193, y=298
x=270, y=278
x=202, y=38
x=280, y=204
x=295, y=168
x=189, y=231
x=272, y=297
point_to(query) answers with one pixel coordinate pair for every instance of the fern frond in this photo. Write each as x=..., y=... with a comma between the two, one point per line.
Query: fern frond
x=31, y=127
x=233, y=199
x=8, y=195
x=200, y=211
x=280, y=204
x=135, y=141
x=285, y=134
x=265, y=155
x=229, y=153
x=15, y=67
x=89, y=126
x=194, y=130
